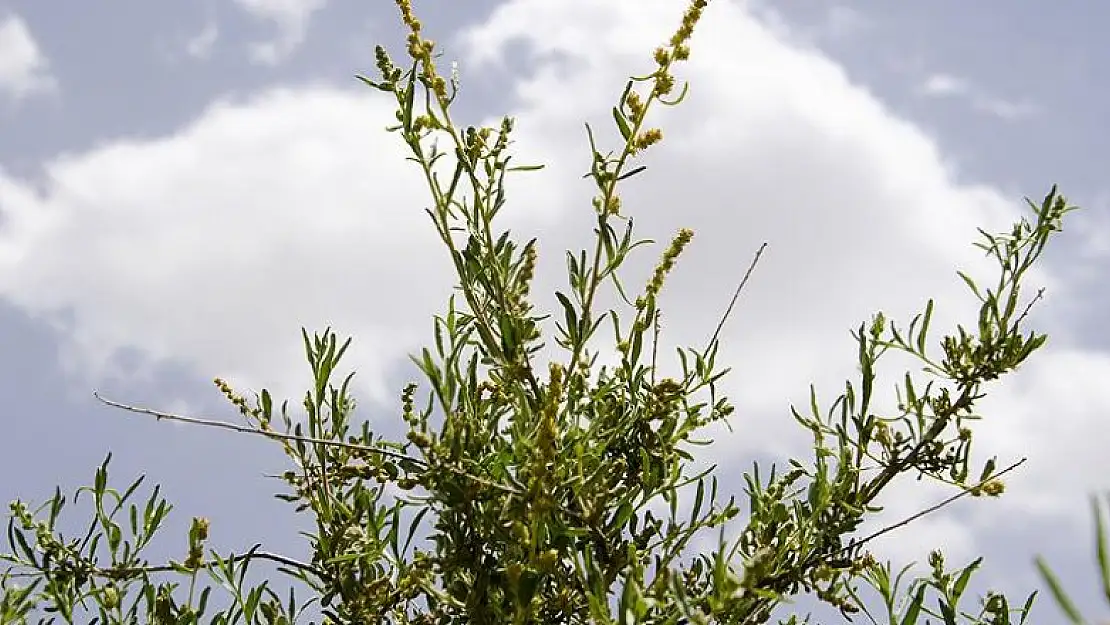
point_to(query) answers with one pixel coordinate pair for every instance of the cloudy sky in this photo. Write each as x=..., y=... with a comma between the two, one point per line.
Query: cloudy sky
x=184, y=185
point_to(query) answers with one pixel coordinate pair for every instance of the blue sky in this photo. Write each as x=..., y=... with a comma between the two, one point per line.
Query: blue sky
x=184, y=185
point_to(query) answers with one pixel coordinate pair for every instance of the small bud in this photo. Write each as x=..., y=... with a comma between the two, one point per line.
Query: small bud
x=993, y=488
x=548, y=559
x=200, y=528
x=521, y=532
x=419, y=439
x=109, y=597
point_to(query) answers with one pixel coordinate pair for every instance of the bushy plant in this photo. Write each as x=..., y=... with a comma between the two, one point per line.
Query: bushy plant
x=549, y=492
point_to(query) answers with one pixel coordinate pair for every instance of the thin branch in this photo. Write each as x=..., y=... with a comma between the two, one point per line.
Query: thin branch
x=250, y=430
x=130, y=571
x=736, y=293
x=931, y=509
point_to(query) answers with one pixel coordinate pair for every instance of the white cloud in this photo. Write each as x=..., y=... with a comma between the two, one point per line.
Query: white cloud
x=942, y=85
x=24, y=71
x=291, y=18
x=200, y=46
x=214, y=245
x=211, y=246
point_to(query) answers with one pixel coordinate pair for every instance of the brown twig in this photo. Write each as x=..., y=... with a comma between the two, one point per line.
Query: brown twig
x=129, y=571
x=931, y=509
x=257, y=432
x=736, y=293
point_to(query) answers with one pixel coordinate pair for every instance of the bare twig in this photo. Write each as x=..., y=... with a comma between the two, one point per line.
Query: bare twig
x=933, y=508
x=250, y=430
x=736, y=293
x=130, y=571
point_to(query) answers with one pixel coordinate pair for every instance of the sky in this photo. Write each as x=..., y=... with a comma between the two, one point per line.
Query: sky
x=183, y=186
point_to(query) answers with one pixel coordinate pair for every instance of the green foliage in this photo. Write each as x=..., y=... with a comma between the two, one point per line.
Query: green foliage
x=529, y=493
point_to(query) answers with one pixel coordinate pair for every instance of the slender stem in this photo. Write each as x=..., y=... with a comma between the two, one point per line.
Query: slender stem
x=931, y=509
x=736, y=295
x=129, y=571
x=257, y=432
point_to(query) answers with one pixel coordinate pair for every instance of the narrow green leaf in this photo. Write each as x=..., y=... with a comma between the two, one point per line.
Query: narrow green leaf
x=1103, y=547
x=101, y=480
x=203, y=603
x=394, y=535
x=57, y=502
x=914, y=609
x=965, y=576
x=923, y=333
x=622, y=123
x=569, y=315
x=115, y=536
x=624, y=94
x=971, y=285
x=1027, y=607
x=624, y=512
x=697, y=502
x=412, y=526
x=410, y=93
x=17, y=534
x=529, y=581
x=631, y=172
x=625, y=608
x=267, y=403
x=251, y=604
x=637, y=346
x=381, y=86
x=988, y=469
x=1062, y=598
